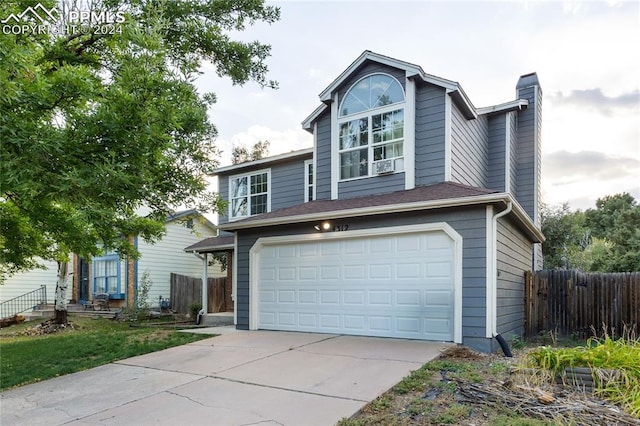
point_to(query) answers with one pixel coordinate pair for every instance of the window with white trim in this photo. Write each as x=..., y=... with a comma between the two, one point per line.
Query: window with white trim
x=249, y=194
x=308, y=181
x=371, y=125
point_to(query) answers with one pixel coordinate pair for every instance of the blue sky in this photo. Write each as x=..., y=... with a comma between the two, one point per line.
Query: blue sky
x=585, y=54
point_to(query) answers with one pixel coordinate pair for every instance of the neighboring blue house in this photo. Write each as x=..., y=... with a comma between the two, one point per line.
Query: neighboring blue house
x=415, y=214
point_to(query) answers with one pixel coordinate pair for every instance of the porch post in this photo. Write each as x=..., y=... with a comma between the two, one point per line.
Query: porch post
x=205, y=280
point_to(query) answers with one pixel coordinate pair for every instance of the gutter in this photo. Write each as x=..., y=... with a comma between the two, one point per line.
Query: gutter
x=492, y=272
x=504, y=198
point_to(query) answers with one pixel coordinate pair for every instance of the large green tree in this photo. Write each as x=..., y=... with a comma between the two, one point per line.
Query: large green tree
x=604, y=239
x=96, y=125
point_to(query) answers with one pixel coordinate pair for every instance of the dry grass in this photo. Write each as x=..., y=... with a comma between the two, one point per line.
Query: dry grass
x=464, y=387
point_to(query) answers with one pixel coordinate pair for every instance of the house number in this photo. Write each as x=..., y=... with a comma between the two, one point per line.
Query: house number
x=339, y=228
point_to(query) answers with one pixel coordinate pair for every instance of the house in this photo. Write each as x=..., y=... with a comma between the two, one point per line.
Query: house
x=414, y=215
x=120, y=278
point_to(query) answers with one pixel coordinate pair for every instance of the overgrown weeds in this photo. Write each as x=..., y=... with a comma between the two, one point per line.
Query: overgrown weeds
x=600, y=353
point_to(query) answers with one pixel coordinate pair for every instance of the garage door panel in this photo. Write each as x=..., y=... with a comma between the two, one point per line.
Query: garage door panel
x=308, y=297
x=329, y=297
x=354, y=297
x=388, y=286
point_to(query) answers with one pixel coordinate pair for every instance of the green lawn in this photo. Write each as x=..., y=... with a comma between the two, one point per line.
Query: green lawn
x=91, y=342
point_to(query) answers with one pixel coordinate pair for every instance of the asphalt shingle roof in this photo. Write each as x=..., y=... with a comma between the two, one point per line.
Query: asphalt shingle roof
x=438, y=191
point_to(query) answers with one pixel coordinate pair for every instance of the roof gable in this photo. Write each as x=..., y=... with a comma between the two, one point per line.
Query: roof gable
x=411, y=71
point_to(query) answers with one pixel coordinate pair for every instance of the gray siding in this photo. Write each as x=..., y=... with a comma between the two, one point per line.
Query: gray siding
x=430, y=125
x=323, y=159
x=513, y=162
x=529, y=152
x=469, y=223
x=371, y=186
x=469, y=156
x=287, y=184
x=223, y=190
x=497, y=152
x=514, y=254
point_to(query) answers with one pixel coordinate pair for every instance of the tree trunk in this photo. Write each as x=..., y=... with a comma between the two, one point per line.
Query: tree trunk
x=61, y=293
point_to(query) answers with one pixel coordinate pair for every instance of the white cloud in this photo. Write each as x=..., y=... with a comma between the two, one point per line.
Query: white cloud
x=281, y=141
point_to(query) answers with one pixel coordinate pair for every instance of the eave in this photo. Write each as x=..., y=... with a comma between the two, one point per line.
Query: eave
x=497, y=198
x=264, y=161
x=517, y=105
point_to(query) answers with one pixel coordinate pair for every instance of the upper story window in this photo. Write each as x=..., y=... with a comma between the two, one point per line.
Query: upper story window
x=308, y=181
x=371, y=125
x=249, y=194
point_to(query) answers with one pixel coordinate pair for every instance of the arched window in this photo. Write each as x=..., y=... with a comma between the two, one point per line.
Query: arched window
x=371, y=123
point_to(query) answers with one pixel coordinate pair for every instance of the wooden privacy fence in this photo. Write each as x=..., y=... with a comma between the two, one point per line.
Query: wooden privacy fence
x=569, y=302
x=185, y=290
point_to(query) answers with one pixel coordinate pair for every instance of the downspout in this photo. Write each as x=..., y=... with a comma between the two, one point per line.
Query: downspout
x=205, y=280
x=494, y=277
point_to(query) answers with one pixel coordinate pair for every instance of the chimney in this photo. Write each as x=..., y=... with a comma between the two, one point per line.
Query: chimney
x=529, y=155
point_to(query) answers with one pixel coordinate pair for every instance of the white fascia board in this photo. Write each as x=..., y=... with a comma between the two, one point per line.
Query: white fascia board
x=263, y=161
x=462, y=100
x=307, y=123
x=516, y=105
x=210, y=249
x=410, y=69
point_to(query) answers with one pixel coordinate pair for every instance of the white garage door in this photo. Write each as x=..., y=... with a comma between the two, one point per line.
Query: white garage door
x=387, y=286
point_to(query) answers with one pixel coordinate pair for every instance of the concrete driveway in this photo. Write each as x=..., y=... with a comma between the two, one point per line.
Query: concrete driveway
x=237, y=378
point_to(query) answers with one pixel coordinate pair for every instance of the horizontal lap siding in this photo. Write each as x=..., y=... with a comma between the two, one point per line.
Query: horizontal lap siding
x=514, y=254
x=323, y=157
x=287, y=184
x=373, y=185
x=513, y=161
x=497, y=152
x=469, y=223
x=529, y=152
x=167, y=256
x=430, y=134
x=469, y=156
x=24, y=282
x=223, y=191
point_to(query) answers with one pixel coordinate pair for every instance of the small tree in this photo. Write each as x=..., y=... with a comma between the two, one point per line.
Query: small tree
x=240, y=153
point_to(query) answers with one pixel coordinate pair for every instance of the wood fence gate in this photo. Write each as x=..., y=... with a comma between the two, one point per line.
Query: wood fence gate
x=186, y=290
x=569, y=302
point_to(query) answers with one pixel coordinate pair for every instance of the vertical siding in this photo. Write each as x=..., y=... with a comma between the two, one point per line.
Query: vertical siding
x=323, y=153
x=497, y=152
x=371, y=185
x=469, y=156
x=167, y=256
x=24, y=282
x=430, y=134
x=514, y=254
x=287, y=184
x=469, y=223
